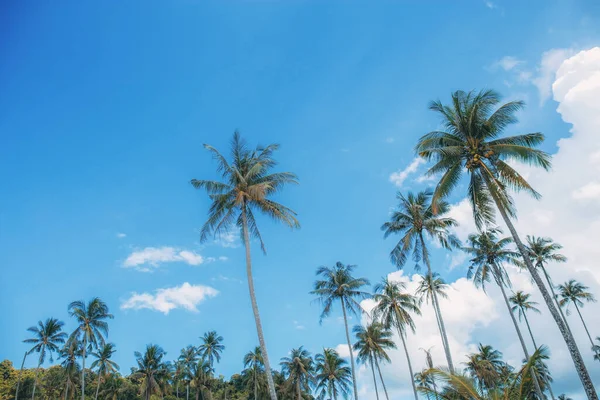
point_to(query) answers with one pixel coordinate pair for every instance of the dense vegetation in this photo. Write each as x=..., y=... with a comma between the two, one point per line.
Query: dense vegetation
x=471, y=144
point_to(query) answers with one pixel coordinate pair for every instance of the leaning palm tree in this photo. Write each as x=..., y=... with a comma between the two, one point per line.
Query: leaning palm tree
x=372, y=344
x=47, y=336
x=188, y=357
x=254, y=361
x=394, y=308
x=247, y=186
x=415, y=219
x=338, y=284
x=20, y=373
x=332, y=375
x=299, y=368
x=103, y=363
x=91, y=328
x=521, y=305
x=489, y=253
x=573, y=292
x=471, y=141
x=152, y=370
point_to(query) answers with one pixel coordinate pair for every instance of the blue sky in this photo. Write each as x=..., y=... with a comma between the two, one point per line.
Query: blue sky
x=104, y=110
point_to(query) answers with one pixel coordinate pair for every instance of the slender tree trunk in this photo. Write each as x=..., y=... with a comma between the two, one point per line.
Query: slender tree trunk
x=97, y=387
x=255, y=385
x=298, y=390
x=177, y=388
x=66, y=390
x=37, y=371
x=582, y=371
x=19, y=379
x=381, y=379
x=536, y=384
x=187, y=395
x=350, y=349
x=374, y=380
x=584, y=325
x=535, y=346
x=259, y=329
x=410, y=370
x=83, y=367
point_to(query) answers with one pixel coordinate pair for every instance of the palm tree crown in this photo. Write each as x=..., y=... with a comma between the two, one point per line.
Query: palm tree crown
x=522, y=304
x=485, y=366
x=91, y=319
x=429, y=284
x=47, y=336
x=573, y=292
x=395, y=305
x=103, y=363
x=374, y=340
x=152, y=370
x=211, y=347
x=299, y=369
x=332, y=375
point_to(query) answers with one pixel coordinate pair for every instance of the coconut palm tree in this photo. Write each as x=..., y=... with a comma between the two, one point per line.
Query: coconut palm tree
x=573, y=292
x=200, y=375
x=178, y=373
x=415, y=219
x=489, y=252
x=247, y=187
x=485, y=366
x=103, y=363
x=372, y=343
x=254, y=361
x=111, y=388
x=332, y=375
x=470, y=141
x=428, y=286
x=394, y=308
x=188, y=357
x=152, y=370
x=521, y=305
x=211, y=347
x=299, y=369
x=338, y=284
x=47, y=336
x=91, y=328
x=69, y=353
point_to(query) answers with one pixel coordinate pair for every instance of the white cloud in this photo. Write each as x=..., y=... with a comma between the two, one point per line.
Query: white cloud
x=298, y=325
x=590, y=191
x=186, y=296
x=121, y=235
x=149, y=258
x=398, y=177
x=546, y=71
x=229, y=240
x=507, y=63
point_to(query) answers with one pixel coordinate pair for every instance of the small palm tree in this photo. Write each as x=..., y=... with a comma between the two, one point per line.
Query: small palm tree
x=415, y=219
x=394, y=308
x=254, y=361
x=188, y=357
x=47, y=336
x=152, y=370
x=299, y=369
x=485, y=366
x=470, y=141
x=247, y=188
x=521, y=305
x=338, y=284
x=332, y=375
x=372, y=343
x=91, y=328
x=211, y=347
x=573, y=292
x=69, y=353
x=103, y=363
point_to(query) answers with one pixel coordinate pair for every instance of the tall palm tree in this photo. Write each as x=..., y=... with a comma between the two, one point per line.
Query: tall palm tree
x=573, y=292
x=471, y=141
x=69, y=353
x=188, y=357
x=430, y=285
x=485, y=366
x=254, y=361
x=103, y=363
x=372, y=343
x=47, y=336
x=91, y=328
x=332, y=375
x=247, y=186
x=338, y=284
x=152, y=370
x=489, y=252
x=299, y=368
x=415, y=219
x=394, y=308
x=211, y=347
x=521, y=305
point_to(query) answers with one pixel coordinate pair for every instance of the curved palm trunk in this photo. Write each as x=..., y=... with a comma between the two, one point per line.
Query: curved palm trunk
x=582, y=371
x=83, y=367
x=259, y=329
x=97, y=387
x=554, y=296
x=412, y=375
x=19, y=379
x=374, y=380
x=584, y=325
x=535, y=346
x=66, y=390
x=381, y=379
x=536, y=384
x=37, y=371
x=350, y=349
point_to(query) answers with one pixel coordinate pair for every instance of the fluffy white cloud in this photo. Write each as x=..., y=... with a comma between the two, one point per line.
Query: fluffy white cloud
x=186, y=296
x=551, y=61
x=152, y=257
x=398, y=177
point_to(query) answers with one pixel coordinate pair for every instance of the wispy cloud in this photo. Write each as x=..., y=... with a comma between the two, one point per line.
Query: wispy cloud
x=299, y=326
x=398, y=177
x=121, y=235
x=491, y=5
x=186, y=296
x=508, y=63
x=229, y=240
x=152, y=257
